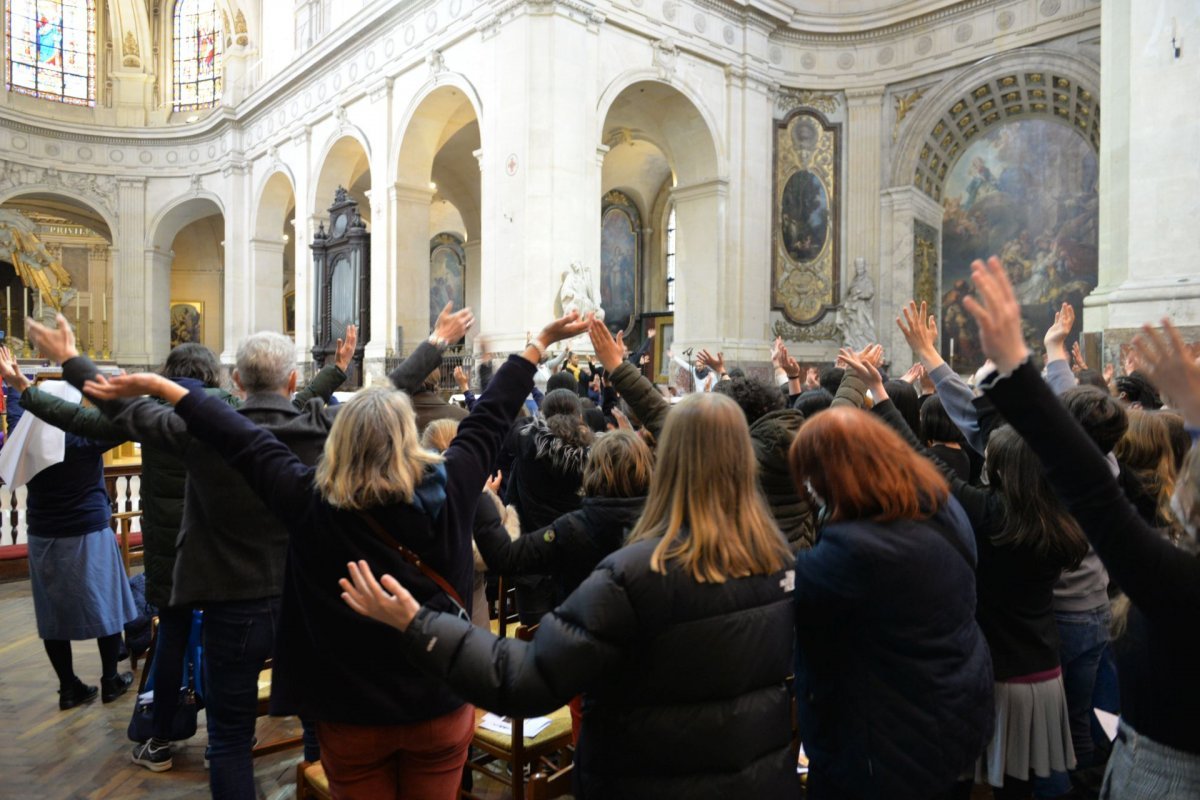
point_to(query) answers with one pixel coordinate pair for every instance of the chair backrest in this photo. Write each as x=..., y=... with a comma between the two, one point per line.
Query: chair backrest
x=506, y=605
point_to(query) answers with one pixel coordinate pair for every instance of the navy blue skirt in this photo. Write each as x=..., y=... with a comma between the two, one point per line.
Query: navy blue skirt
x=80, y=590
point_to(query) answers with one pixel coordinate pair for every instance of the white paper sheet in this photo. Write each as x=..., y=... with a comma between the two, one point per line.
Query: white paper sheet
x=1108, y=722
x=532, y=726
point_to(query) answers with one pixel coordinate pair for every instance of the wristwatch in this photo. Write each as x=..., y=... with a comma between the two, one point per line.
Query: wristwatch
x=438, y=342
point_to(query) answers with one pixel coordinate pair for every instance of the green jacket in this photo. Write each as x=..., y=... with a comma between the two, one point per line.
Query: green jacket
x=164, y=474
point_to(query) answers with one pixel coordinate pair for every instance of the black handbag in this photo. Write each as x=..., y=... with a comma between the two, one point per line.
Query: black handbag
x=191, y=694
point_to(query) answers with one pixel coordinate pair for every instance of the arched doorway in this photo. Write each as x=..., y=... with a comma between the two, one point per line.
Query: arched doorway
x=273, y=257
x=187, y=260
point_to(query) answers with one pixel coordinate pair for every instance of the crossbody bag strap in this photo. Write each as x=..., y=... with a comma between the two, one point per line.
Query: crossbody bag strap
x=411, y=557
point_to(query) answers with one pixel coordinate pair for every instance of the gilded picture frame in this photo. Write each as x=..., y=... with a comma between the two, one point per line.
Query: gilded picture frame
x=806, y=217
x=187, y=322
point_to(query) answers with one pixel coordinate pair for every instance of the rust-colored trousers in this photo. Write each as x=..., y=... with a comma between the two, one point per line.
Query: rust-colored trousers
x=420, y=761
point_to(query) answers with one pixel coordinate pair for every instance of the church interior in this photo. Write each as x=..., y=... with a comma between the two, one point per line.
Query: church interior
x=712, y=176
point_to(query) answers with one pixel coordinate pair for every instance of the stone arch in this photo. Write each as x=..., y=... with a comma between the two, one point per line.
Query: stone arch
x=641, y=107
x=271, y=199
x=1083, y=75
x=345, y=157
x=178, y=214
x=81, y=199
x=697, y=124
x=439, y=109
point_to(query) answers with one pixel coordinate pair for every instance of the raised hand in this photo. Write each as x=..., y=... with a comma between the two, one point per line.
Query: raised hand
x=460, y=378
x=56, y=344
x=385, y=601
x=920, y=331
x=914, y=374
x=1078, y=364
x=1110, y=372
x=1133, y=361
x=493, y=483
x=998, y=314
x=865, y=370
x=452, y=325
x=812, y=379
x=565, y=327
x=344, y=352
x=1056, y=334
x=872, y=354
x=610, y=351
x=777, y=347
x=10, y=371
x=716, y=363
x=623, y=422
x=1168, y=362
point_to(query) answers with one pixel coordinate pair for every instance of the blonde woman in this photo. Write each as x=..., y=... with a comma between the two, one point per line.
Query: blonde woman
x=384, y=726
x=1146, y=450
x=680, y=641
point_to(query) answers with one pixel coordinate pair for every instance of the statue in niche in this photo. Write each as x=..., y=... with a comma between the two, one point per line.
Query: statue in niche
x=856, y=322
x=578, y=292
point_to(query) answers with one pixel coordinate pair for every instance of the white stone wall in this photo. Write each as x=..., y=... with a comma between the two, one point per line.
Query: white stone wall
x=546, y=82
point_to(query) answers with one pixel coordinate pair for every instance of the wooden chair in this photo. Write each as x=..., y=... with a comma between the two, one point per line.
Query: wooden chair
x=128, y=540
x=548, y=755
x=264, y=709
x=311, y=783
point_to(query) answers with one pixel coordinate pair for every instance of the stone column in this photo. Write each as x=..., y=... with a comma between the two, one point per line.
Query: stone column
x=745, y=296
x=1148, y=202
x=409, y=294
x=138, y=321
x=700, y=253
x=472, y=284
x=238, y=279
x=304, y=287
x=862, y=184
x=382, y=331
x=266, y=259
x=900, y=206
x=99, y=283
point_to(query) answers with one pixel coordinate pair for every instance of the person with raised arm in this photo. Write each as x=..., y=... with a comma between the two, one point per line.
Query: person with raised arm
x=375, y=495
x=1157, y=751
x=681, y=641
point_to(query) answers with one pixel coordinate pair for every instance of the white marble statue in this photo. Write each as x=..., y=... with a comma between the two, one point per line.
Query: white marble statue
x=856, y=320
x=578, y=291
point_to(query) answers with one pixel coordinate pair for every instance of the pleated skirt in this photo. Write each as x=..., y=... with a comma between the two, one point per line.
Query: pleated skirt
x=80, y=590
x=1032, y=734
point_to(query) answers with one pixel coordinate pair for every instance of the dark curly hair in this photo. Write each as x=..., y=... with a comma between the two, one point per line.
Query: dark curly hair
x=1136, y=388
x=755, y=397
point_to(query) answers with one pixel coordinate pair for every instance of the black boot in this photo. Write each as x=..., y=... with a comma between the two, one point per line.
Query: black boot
x=114, y=687
x=74, y=695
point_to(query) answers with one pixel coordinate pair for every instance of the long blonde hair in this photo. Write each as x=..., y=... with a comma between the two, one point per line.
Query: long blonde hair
x=373, y=456
x=704, y=499
x=1146, y=449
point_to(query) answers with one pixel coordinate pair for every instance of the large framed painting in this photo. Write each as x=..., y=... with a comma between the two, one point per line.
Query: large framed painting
x=187, y=322
x=926, y=266
x=1025, y=191
x=289, y=313
x=620, y=259
x=806, y=230
x=447, y=265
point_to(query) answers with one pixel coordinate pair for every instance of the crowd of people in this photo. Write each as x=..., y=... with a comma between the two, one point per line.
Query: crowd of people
x=929, y=583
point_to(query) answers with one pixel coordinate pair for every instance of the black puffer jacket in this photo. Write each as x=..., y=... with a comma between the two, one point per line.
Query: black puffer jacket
x=772, y=435
x=684, y=681
x=569, y=548
x=544, y=485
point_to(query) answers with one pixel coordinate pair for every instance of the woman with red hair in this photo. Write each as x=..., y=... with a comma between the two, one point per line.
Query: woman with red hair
x=893, y=675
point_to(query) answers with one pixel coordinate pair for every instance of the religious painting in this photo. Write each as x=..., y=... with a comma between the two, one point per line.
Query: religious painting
x=620, y=253
x=51, y=47
x=289, y=313
x=805, y=267
x=1027, y=193
x=447, y=261
x=664, y=340
x=926, y=268
x=197, y=57
x=187, y=322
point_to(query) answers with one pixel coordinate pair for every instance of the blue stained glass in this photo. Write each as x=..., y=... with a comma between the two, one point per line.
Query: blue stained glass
x=51, y=49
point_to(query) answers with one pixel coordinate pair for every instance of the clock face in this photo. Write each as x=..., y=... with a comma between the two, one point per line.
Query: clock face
x=339, y=225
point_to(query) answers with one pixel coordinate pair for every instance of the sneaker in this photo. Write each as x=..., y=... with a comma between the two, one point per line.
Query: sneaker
x=114, y=687
x=154, y=757
x=77, y=694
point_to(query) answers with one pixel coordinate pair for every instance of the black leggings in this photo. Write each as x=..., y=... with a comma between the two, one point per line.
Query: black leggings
x=59, y=651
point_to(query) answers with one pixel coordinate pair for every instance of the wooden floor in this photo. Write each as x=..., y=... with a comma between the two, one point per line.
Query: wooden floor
x=83, y=754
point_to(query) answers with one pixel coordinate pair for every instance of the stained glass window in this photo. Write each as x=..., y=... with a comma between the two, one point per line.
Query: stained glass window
x=671, y=260
x=52, y=49
x=198, y=40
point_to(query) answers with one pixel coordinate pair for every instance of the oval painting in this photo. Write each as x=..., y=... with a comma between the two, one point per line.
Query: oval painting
x=804, y=216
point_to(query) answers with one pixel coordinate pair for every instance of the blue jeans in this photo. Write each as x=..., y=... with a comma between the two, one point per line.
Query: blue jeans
x=238, y=639
x=1082, y=637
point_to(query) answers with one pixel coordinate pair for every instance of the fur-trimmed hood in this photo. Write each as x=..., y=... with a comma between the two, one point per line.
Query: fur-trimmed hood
x=564, y=457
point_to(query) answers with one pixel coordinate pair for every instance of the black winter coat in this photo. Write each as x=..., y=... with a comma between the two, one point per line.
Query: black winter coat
x=893, y=674
x=569, y=548
x=684, y=681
